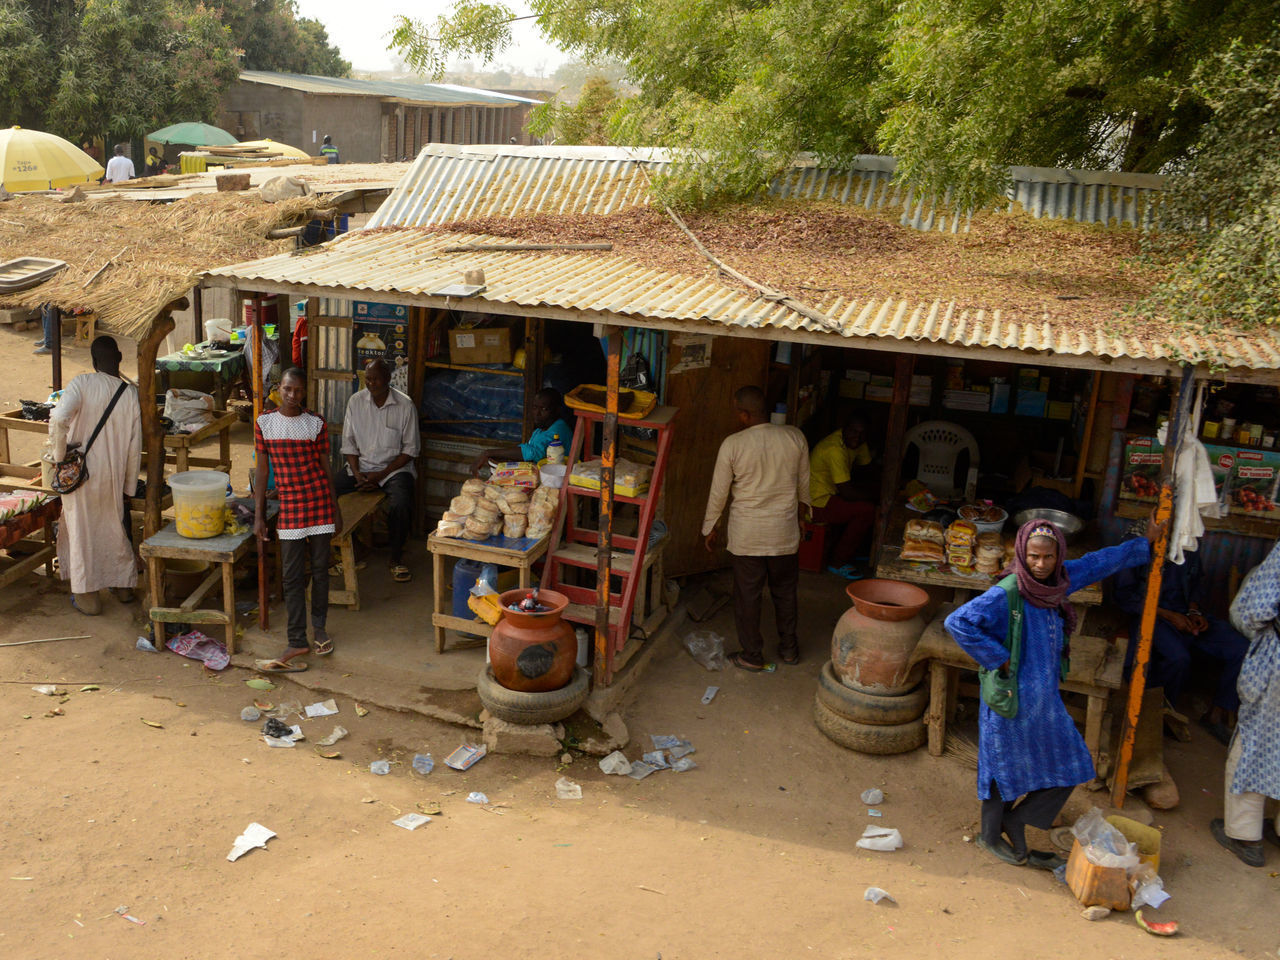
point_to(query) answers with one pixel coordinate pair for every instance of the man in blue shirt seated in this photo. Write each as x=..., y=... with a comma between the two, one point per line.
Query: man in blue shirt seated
x=548, y=424
x=1182, y=627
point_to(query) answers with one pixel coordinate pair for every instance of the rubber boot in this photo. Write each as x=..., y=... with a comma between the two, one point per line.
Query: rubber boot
x=90, y=604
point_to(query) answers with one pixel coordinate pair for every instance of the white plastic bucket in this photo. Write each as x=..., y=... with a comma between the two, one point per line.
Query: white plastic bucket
x=218, y=330
x=199, y=502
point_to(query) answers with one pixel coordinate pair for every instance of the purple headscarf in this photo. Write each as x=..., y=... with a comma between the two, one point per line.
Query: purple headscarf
x=1051, y=594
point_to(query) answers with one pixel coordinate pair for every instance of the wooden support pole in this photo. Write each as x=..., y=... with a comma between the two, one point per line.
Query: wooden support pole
x=152, y=431
x=1083, y=463
x=255, y=333
x=904, y=364
x=603, y=667
x=1141, y=657
x=56, y=346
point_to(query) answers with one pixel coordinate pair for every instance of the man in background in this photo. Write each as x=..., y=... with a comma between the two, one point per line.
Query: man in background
x=119, y=167
x=843, y=489
x=766, y=468
x=328, y=150
x=93, y=548
x=380, y=444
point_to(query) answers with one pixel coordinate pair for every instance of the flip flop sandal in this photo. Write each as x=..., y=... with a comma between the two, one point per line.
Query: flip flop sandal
x=279, y=666
x=737, y=660
x=81, y=610
x=400, y=573
x=322, y=648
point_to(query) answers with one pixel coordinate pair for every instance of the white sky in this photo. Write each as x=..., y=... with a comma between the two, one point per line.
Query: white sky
x=359, y=28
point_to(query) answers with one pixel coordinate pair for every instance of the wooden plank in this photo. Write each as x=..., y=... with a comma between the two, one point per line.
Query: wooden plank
x=892, y=568
x=178, y=615
x=486, y=553
x=207, y=584
x=356, y=508
x=15, y=570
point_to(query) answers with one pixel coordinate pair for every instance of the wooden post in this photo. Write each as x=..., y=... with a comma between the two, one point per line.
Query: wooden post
x=1086, y=442
x=532, y=368
x=904, y=364
x=56, y=347
x=264, y=617
x=197, y=314
x=1164, y=510
x=603, y=667
x=152, y=431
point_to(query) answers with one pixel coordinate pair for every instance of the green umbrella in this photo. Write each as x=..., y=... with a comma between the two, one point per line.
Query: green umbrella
x=194, y=134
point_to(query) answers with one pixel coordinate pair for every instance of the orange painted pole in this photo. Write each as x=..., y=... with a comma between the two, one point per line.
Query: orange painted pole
x=1159, y=549
x=603, y=667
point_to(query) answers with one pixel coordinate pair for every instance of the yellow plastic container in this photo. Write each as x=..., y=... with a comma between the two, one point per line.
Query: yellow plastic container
x=199, y=503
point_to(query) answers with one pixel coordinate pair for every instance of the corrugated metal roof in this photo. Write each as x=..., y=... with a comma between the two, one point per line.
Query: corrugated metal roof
x=449, y=182
x=411, y=264
x=443, y=94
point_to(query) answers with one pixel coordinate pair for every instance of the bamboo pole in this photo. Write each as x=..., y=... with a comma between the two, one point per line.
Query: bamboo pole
x=603, y=669
x=1142, y=656
x=264, y=616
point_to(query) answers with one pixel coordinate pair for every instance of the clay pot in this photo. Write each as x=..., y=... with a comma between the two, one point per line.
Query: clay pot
x=874, y=639
x=533, y=652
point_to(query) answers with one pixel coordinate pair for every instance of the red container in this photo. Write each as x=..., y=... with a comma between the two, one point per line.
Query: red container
x=533, y=652
x=813, y=546
x=873, y=642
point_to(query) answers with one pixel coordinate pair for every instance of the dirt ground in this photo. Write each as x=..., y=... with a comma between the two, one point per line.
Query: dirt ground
x=750, y=855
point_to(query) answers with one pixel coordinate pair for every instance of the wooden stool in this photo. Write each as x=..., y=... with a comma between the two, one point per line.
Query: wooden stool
x=358, y=510
x=86, y=324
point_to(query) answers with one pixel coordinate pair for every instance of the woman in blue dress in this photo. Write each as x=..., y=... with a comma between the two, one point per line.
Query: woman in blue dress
x=1037, y=755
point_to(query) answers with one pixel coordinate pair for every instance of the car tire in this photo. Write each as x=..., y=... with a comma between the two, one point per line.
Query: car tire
x=878, y=739
x=862, y=707
x=516, y=706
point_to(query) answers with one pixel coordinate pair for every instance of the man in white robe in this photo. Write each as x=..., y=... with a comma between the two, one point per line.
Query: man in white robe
x=93, y=549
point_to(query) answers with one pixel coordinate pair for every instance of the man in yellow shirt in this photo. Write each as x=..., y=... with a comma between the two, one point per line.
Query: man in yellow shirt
x=843, y=491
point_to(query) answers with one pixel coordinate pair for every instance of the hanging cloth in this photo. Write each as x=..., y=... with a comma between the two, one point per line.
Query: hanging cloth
x=1193, y=489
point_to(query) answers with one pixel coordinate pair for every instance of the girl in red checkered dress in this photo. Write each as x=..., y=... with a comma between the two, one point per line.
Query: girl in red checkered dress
x=295, y=443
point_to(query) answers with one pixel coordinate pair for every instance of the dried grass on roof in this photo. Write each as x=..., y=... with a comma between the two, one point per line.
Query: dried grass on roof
x=160, y=249
x=1077, y=275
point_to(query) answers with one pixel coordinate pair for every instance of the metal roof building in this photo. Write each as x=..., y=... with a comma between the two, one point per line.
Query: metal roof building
x=402, y=257
x=369, y=120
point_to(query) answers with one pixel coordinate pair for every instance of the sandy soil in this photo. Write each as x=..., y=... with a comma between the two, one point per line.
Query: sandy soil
x=750, y=855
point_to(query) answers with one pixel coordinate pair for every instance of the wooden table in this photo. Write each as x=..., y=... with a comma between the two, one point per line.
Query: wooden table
x=1097, y=667
x=502, y=551
x=181, y=444
x=223, y=371
x=221, y=552
x=20, y=531
x=892, y=567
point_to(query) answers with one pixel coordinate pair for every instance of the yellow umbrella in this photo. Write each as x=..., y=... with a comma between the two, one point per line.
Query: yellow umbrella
x=32, y=160
x=275, y=147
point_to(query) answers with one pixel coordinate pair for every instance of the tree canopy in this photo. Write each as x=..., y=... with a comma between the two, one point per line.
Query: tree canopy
x=119, y=68
x=956, y=90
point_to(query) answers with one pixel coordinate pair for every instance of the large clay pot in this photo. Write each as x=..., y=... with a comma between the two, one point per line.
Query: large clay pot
x=533, y=652
x=876, y=636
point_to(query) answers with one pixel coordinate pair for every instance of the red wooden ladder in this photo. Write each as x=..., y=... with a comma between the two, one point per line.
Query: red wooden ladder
x=573, y=545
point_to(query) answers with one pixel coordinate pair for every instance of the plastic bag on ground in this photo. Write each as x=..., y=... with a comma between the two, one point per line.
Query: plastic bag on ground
x=880, y=838
x=707, y=647
x=875, y=895
x=616, y=763
x=1103, y=844
x=566, y=789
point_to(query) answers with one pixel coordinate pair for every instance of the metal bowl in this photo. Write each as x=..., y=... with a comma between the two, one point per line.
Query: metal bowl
x=1068, y=523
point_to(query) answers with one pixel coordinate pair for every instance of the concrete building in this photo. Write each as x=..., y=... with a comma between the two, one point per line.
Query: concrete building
x=369, y=120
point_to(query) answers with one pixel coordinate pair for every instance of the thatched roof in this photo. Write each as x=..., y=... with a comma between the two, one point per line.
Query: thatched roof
x=159, y=249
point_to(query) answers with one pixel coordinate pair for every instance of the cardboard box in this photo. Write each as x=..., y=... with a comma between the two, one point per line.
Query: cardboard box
x=480, y=345
x=1109, y=886
x=1058, y=409
x=366, y=310
x=1255, y=477
x=1028, y=378
x=1030, y=403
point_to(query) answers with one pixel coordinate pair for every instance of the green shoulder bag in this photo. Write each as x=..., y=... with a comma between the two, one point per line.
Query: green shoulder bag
x=1000, y=690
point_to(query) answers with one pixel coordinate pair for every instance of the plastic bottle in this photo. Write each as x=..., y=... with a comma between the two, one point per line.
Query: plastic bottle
x=555, y=450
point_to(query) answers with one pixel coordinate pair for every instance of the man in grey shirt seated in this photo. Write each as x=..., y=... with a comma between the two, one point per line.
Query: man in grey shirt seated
x=380, y=444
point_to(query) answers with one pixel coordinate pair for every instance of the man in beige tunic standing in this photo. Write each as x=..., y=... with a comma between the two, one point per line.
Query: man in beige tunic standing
x=766, y=468
x=93, y=550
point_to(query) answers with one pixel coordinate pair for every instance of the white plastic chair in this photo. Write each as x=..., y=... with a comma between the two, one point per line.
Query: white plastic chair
x=940, y=444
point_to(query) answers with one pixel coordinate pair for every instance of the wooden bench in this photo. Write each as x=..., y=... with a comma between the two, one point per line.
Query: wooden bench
x=1096, y=669
x=357, y=509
